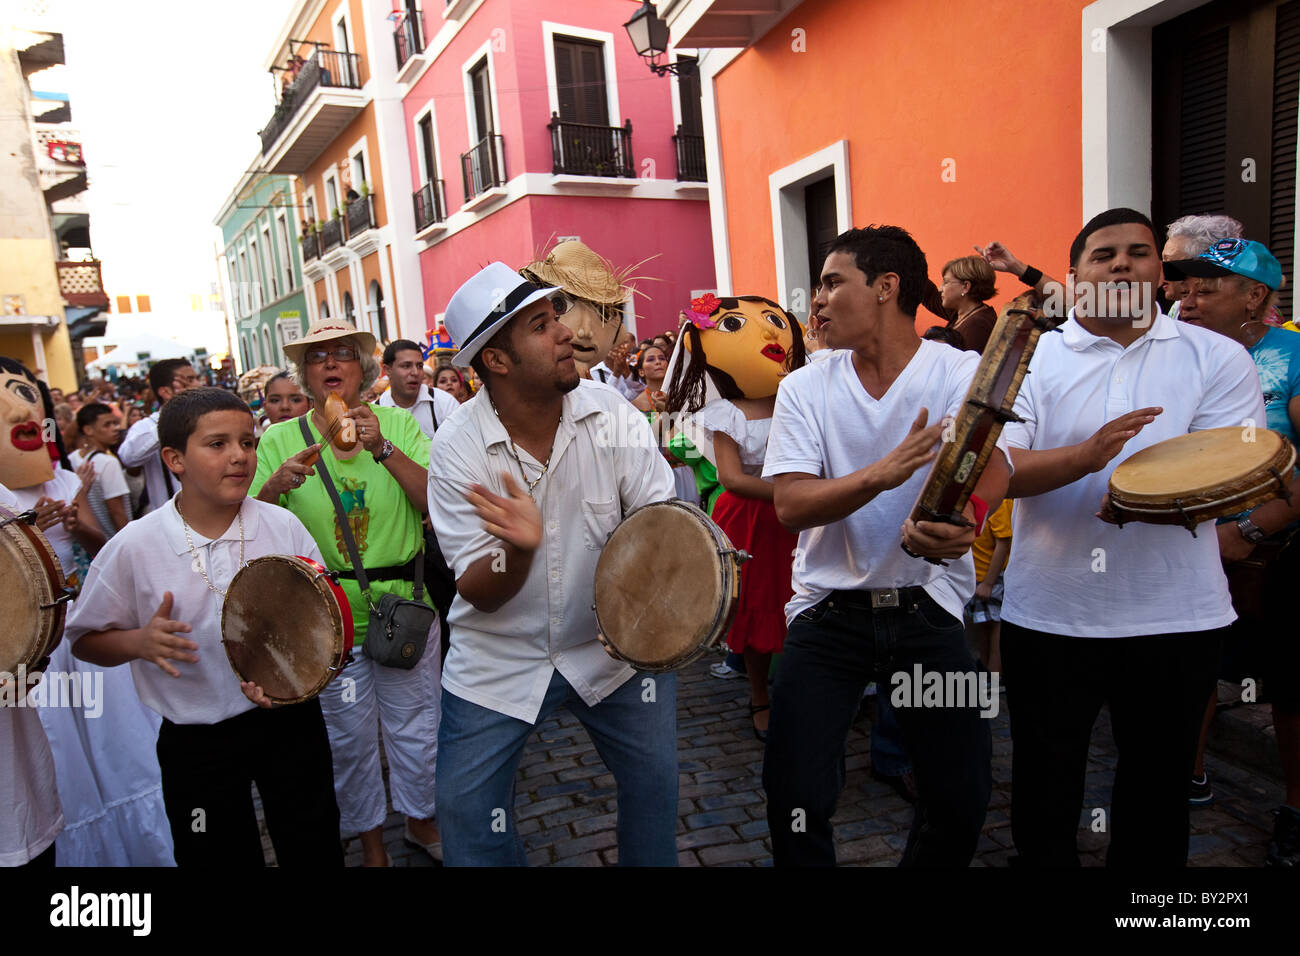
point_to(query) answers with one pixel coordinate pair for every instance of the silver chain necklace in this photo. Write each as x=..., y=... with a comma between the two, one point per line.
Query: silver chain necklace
x=199, y=564
x=514, y=451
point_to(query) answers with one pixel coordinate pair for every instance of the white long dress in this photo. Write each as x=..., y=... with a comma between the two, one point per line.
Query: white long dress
x=106, y=766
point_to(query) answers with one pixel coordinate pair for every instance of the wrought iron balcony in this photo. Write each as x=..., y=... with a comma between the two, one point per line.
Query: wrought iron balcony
x=691, y=167
x=310, y=246
x=331, y=235
x=484, y=166
x=408, y=37
x=360, y=215
x=581, y=149
x=323, y=70
x=430, y=204
x=82, y=284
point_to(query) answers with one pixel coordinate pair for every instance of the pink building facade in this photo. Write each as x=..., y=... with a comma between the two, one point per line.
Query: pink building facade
x=528, y=121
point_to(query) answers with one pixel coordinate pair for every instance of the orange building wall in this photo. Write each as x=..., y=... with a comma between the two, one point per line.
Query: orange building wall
x=993, y=86
x=322, y=31
x=336, y=156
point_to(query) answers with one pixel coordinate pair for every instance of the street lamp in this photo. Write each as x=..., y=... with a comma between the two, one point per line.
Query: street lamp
x=649, y=36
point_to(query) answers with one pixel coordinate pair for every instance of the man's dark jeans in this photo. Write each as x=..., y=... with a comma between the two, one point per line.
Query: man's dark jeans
x=832, y=650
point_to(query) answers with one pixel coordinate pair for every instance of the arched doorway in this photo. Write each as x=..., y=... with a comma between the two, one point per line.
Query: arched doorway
x=378, y=319
x=349, y=315
x=268, y=354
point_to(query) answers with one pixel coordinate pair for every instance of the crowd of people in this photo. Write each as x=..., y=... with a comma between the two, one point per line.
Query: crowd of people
x=483, y=490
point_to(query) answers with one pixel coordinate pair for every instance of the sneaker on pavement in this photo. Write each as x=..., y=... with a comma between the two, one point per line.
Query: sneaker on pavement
x=724, y=671
x=1284, y=848
x=1200, y=794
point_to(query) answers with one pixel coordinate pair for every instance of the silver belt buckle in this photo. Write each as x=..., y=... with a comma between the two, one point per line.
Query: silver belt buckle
x=885, y=597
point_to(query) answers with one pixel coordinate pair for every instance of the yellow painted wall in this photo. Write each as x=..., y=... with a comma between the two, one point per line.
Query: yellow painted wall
x=27, y=269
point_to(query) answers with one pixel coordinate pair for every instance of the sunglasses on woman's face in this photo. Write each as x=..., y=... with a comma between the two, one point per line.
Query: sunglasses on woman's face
x=344, y=353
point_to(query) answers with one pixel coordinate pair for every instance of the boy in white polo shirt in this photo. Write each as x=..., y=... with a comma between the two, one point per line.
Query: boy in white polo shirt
x=153, y=597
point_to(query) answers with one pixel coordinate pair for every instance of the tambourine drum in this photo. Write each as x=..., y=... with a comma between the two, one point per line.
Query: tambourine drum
x=287, y=626
x=1201, y=476
x=33, y=598
x=667, y=586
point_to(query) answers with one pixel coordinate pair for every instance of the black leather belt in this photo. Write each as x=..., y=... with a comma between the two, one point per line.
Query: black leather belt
x=877, y=598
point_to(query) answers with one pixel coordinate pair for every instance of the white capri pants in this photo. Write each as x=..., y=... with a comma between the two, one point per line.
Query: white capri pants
x=406, y=705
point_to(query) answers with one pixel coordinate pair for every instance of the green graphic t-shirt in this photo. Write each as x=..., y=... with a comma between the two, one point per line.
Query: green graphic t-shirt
x=384, y=523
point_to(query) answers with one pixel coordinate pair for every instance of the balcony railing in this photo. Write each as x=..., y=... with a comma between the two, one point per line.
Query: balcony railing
x=484, y=166
x=331, y=235
x=408, y=37
x=360, y=215
x=323, y=68
x=691, y=167
x=82, y=284
x=430, y=204
x=310, y=246
x=584, y=150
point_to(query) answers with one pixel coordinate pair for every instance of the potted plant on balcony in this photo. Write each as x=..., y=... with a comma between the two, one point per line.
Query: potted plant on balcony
x=365, y=190
x=334, y=213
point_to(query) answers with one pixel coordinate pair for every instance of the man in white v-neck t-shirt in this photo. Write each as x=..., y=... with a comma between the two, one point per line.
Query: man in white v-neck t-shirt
x=851, y=441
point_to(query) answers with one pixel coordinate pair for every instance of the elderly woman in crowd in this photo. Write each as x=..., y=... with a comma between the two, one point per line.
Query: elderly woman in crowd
x=381, y=482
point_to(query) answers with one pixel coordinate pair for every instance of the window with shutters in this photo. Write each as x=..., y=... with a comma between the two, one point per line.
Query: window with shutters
x=580, y=81
x=1226, y=85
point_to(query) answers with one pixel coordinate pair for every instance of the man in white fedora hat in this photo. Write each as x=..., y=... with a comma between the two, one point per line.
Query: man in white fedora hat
x=525, y=485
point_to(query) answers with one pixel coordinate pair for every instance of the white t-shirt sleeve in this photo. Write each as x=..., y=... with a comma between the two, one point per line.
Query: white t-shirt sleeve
x=140, y=444
x=794, y=443
x=105, y=600
x=1233, y=397
x=112, y=479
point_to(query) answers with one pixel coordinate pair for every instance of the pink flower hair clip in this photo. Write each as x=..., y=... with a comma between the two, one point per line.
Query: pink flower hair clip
x=701, y=309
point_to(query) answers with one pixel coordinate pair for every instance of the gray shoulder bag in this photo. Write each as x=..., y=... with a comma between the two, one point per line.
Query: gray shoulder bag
x=398, y=630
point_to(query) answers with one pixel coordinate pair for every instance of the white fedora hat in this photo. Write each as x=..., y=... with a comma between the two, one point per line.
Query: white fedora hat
x=487, y=301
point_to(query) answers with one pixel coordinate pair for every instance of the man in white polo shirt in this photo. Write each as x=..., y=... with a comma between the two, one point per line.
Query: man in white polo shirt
x=1094, y=613
x=403, y=363
x=847, y=453
x=524, y=488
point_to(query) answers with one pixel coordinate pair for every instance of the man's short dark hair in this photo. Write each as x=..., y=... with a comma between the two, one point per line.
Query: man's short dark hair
x=1119, y=216
x=163, y=373
x=500, y=340
x=400, y=345
x=180, y=417
x=880, y=249
x=87, y=415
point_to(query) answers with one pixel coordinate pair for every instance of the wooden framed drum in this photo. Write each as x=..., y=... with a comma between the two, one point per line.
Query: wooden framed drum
x=667, y=586
x=1201, y=476
x=33, y=598
x=287, y=626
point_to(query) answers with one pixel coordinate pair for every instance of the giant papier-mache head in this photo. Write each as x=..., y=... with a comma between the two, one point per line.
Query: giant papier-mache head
x=26, y=457
x=599, y=293
x=744, y=344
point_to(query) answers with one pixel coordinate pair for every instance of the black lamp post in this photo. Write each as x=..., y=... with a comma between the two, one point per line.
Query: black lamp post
x=649, y=36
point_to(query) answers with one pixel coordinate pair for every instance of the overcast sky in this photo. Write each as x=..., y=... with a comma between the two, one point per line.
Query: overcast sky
x=168, y=96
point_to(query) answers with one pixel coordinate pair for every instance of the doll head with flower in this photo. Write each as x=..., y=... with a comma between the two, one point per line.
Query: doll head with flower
x=745, y=344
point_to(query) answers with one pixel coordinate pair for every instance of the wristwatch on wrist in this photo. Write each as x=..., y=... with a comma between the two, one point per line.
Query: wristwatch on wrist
x=385, y=450
x=1250, y=531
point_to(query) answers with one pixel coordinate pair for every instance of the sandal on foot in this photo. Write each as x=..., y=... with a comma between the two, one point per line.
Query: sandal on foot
x=758, y=709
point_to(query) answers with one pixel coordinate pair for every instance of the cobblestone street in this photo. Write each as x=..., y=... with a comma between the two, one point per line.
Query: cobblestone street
x=566, y=803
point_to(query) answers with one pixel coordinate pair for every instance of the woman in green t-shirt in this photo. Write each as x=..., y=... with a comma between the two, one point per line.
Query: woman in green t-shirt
x=381, y=483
